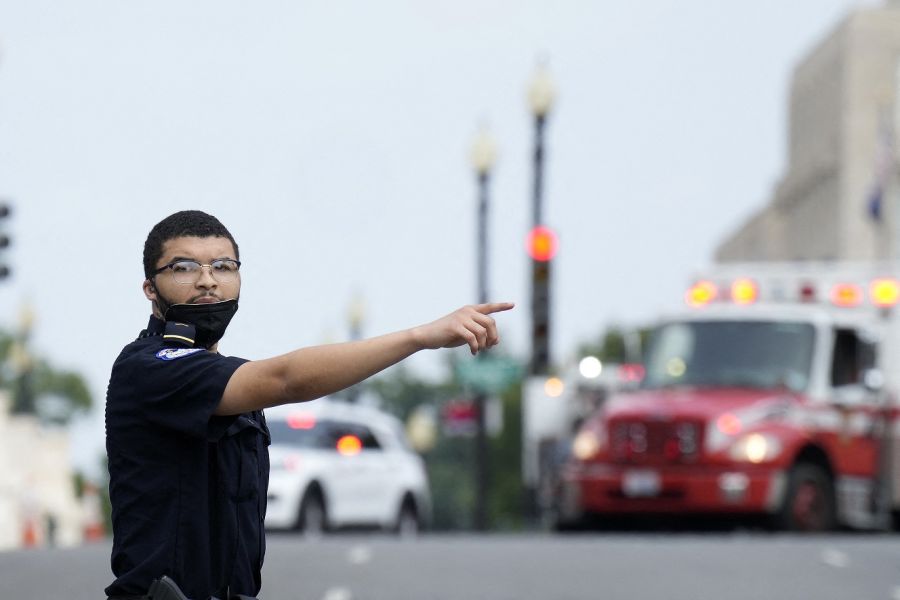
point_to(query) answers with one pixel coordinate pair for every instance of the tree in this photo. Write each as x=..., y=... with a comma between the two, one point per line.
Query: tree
x=451, y=462
x=507, y=497
x=617, y=345
x=36, y=386
x=402, y=391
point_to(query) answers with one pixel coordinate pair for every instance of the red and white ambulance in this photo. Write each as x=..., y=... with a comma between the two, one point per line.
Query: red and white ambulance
x=774, y=393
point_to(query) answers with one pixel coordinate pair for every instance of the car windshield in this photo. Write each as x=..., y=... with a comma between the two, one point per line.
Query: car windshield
x=753, y=354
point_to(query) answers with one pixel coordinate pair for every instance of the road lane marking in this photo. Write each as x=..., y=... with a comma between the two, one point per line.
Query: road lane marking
x=835, y=558
x=359, y=555
x=338, y=593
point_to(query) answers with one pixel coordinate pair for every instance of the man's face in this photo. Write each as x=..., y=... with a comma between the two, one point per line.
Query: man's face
x=206, y=288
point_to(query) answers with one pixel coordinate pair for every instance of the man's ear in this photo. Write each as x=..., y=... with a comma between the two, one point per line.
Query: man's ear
x=149, y=290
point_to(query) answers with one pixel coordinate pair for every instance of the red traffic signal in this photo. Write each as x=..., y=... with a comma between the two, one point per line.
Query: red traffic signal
x=541, y=243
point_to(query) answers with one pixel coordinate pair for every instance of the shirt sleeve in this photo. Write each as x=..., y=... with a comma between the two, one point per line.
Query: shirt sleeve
x=181, y=388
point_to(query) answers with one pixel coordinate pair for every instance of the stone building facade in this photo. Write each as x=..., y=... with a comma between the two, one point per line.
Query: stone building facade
x=843, y=105
x=38, y=506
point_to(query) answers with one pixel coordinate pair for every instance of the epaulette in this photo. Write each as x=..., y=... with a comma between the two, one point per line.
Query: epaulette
x=182, y=334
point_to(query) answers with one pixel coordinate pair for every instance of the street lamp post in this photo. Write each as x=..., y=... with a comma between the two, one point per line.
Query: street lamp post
x=541, y=94
x=483, y=155
x=355, y=316
x=24, y=401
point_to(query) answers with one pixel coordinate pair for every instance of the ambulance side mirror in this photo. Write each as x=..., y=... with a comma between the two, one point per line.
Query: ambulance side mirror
x=873, y=380
x=869, y=389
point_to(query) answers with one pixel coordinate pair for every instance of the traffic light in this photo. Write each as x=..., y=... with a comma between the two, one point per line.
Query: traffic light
x=542, y=246
x=5, y=212
x=541, y=243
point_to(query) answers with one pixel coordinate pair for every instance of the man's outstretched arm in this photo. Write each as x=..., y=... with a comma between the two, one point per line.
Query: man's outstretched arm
x=317, y=371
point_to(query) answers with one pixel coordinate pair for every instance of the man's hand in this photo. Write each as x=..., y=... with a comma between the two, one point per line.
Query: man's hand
x=468, y=325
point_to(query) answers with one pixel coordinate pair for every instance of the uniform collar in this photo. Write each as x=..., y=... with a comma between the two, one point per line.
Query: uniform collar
x=180, y=334
x=156, y=326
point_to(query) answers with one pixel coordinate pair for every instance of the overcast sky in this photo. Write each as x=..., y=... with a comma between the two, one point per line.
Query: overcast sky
x=332, y=138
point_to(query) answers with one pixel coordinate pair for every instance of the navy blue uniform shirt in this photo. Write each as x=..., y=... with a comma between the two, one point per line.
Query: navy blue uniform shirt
x=188, y=488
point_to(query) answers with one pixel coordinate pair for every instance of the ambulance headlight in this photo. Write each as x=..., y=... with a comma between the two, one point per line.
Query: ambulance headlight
x=587, y=444
x=756, y=448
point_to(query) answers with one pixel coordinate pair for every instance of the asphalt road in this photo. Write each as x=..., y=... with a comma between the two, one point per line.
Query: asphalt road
x=735, y=566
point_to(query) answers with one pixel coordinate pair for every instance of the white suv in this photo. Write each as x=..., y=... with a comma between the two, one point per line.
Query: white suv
x=336, y=464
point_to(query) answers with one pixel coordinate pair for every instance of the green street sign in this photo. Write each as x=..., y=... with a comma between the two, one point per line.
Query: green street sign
x=488, y=374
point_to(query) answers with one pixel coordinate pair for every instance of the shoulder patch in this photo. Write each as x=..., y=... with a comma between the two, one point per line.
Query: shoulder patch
x=173, y=353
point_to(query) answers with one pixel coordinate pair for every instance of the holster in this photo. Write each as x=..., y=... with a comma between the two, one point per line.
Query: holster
x=165, y=588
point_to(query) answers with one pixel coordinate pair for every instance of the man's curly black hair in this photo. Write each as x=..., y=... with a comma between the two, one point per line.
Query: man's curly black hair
x=193, y=223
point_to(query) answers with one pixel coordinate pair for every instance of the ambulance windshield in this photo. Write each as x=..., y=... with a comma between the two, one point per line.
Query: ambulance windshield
x=747, y=354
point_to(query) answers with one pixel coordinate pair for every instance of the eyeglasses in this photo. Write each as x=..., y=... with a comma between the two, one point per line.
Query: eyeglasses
x=188, y=272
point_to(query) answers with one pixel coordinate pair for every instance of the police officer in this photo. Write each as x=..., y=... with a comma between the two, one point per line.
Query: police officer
x=185, y=432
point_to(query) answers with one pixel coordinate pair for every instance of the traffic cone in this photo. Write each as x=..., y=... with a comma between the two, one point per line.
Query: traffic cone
x=30, y=535
x=93, y=514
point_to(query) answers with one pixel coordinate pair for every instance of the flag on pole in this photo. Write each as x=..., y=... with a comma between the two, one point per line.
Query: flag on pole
x=884, y=157
x=876, y=195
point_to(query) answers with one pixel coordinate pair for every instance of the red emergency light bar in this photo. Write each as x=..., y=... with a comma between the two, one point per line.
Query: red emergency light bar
x=882, y=292
x=885, y=292
x=847, y=295
x=807, y=292
x=744, y=291
x=701, y=294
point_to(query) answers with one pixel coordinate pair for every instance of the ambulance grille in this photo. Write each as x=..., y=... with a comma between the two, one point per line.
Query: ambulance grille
x=655, y=441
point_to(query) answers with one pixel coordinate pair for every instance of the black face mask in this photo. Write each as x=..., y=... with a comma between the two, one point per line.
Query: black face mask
x=210, y=319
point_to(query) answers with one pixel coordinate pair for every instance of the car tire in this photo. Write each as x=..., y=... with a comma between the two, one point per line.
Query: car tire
x=408, y=524
x=312, y=519
x=565, y=513
x=809, y=503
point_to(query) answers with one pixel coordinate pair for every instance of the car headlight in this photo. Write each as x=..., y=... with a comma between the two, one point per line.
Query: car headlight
x=587, y=444
x=755, y=448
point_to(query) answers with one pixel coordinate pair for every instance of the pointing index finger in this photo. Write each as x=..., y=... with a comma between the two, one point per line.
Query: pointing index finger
x=492, y=307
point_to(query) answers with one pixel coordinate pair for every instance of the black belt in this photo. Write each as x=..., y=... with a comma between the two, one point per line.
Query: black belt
x=237, y=597
x=148, y=597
